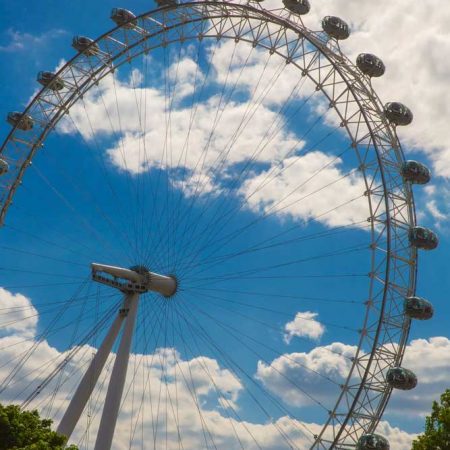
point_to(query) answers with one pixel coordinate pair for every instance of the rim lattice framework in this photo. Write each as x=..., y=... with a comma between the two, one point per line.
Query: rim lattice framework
x=383, y=335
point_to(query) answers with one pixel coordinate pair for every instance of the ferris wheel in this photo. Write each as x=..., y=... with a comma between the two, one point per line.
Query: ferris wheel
x=214, y=219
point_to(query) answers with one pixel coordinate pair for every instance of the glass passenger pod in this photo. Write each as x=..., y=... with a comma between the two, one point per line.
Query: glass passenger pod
x=335, y=27
x=398, y=114
x=299, y=7
x=50, y=80
x=424, y=238
x=400, y=378
x=370, y=65
x=123, y=17
x=4, y=166
x=162, y=3
x=22, y=121
x=85, y=45
x=418, y=308
x=372, y=442
x=415, y=172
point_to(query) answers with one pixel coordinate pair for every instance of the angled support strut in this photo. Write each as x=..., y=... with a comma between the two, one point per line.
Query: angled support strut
x=132, y=282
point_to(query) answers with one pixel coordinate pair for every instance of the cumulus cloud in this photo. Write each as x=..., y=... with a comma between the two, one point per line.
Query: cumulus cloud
x=435, y=212
x=253, y=71
x=209, y=141
x=304, y=325
x=417, y=75
x=299, y=193
x=21, y=316
x=18, y=41
x=429, y=360
x=398, y=439
x=417, y=72
x=167, y=400
x=301, y=379
x=203, y=136
x=433, y=206
x=197, y=140
x=193, y=399
x=134, y=160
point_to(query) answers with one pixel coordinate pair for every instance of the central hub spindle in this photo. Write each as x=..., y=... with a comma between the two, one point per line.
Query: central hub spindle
x=137, y=279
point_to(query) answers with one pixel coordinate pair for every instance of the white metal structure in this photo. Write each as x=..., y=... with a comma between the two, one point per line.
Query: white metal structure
x=132, y=284
x=371, y=158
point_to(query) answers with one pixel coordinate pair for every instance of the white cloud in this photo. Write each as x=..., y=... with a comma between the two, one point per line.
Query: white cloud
x=135, y=160
x=221, y=131
x=182, y=75
x=210, y=129
x=417, y=72
x=303, y=325
x=435, y=212
x=255, y=73
x=398, y=439
x=412, y=40
x=169, y=390
x=435, y=206
x=295, y=376
x=19, y=41
x=202, y=406
x=21, y=317
x=429, y=360
x=162, y=391
x=306, y=188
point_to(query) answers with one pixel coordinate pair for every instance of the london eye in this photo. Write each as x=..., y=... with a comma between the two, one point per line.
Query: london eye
x=212, y=212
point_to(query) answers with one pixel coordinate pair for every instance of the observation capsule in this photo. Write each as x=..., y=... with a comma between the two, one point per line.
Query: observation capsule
x=398, y=114
x=372, y=442
x=400, y=378
x=424, y=238
x=415, y=172
x=162, y=3
x=20, y=120
x=85, y=45
x=50, y=80
x=418, y=308
x=299, y=7
x=4, y=166
x=335, y=27
x=123, y=17
x=370, y=65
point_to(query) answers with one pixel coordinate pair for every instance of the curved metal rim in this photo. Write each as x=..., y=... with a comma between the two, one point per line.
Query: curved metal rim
x=341, y=64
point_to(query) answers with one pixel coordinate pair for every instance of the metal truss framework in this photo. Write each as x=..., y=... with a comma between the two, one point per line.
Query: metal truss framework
x=384, y=333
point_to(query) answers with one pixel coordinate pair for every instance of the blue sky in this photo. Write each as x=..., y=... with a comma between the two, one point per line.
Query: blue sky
x=90, y=196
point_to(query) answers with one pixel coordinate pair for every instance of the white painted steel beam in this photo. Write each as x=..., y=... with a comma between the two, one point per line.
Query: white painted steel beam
x=90, y=378
x=132, y=283
x=151, y=281
x=117, y=381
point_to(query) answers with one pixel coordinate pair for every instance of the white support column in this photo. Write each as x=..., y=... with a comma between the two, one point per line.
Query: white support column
x=117, y=381
x=87, y=384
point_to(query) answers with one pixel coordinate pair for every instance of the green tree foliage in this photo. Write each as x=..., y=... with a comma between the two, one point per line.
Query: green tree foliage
x=437, y=427
x=25, y=430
